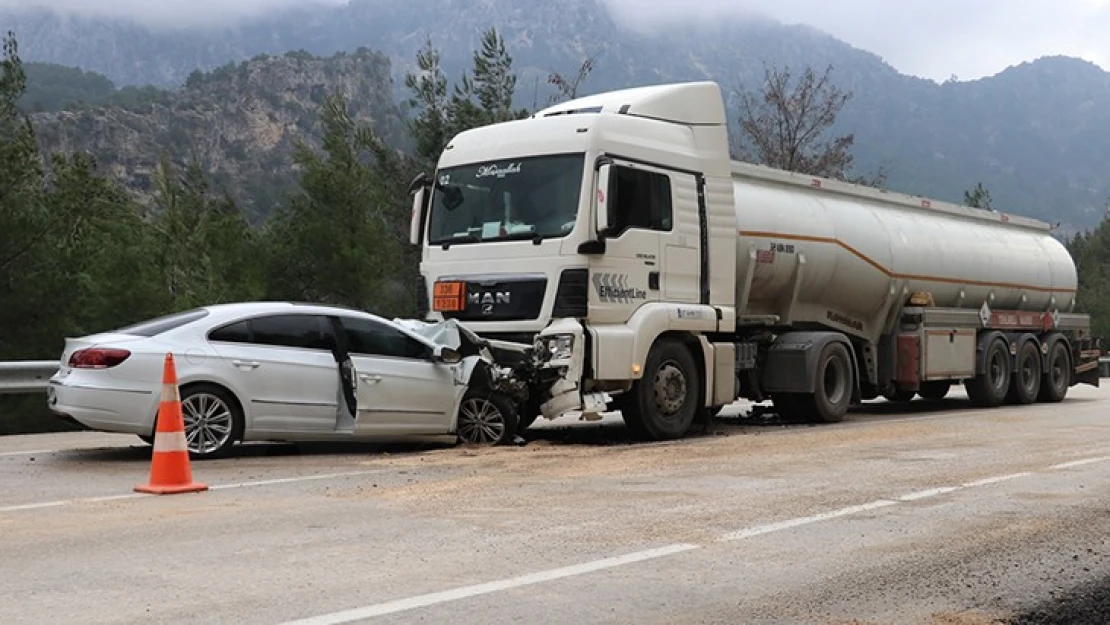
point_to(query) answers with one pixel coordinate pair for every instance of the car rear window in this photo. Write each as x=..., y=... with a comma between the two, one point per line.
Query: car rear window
x=154, y=327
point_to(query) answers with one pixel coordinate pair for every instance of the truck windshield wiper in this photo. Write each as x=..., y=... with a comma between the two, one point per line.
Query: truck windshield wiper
x=461, y=238
x=522, y=236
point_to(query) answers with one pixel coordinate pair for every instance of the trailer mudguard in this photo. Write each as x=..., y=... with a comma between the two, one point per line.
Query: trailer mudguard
x=791, y=365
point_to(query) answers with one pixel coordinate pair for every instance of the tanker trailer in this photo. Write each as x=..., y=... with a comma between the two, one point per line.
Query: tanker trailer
x=910, y=294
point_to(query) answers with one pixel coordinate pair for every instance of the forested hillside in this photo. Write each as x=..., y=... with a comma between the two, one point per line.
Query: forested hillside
x=1037, y=135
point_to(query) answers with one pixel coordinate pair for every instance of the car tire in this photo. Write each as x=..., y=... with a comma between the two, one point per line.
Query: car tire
x=215, y=407
x=486, y=418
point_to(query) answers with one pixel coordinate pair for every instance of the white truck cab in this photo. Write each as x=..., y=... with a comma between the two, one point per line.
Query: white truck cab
x=586, y=230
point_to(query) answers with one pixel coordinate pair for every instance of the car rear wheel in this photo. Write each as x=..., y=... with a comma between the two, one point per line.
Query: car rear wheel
x=213, y=421
x=486, y=418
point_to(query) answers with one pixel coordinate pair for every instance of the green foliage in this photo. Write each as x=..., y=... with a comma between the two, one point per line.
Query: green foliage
x=979, y=197
x=482, y=97
x=1091, y=251
x=336, y=242
x=55, y=87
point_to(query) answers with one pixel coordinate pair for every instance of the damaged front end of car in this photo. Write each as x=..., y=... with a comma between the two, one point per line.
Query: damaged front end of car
x=497, y=366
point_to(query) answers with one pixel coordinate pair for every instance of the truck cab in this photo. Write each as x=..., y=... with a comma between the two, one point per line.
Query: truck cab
x=589, y=231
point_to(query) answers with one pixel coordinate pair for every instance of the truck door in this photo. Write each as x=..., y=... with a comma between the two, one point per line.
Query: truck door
x=651, y=248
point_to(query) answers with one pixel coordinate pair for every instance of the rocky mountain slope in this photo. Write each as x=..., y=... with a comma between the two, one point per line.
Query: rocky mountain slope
x=240, y=122
x=1036, y=135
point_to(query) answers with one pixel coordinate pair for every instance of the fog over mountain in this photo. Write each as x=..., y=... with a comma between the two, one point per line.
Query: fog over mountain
x=935, y=39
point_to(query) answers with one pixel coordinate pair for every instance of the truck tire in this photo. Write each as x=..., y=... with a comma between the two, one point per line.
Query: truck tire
x=989, y=389
x=1026, y=384
x=1057, y=374
x=662, y=404
x=935, y=390
x=832, y=395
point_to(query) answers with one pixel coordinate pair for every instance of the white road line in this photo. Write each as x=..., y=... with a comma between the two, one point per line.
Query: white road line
x=759, y=530
x=1079, y=463
x=932, y=492
x=286, y=480
x=465, y=592
x=292, y=480
x=33, y=452
x=996, y=480
x=420, y=601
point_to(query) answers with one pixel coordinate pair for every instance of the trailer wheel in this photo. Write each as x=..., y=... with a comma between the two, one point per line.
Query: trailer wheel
x=1054, y=386
x=989, y=389
x=662, y=405
x=1026, y=384
x=833, y=393
x=935, y=390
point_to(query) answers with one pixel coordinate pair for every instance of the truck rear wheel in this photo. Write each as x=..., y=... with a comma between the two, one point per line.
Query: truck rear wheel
x=832, y=395
x=1056, y=376
x=662, y=405
x=989, y=388
x=1026, y=383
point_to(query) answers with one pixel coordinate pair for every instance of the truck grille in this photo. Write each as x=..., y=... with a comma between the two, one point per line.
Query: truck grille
x=502, y=298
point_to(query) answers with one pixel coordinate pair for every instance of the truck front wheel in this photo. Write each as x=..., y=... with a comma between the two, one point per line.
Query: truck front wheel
x=662, y=405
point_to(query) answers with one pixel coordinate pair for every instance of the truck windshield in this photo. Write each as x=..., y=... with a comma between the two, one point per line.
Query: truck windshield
x=527, y=198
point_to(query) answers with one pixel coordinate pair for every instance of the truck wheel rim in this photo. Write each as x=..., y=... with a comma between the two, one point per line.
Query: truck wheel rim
x=670, y=388
x=1058, y=367
x=480, y=422
x=1029, y=372
x=997, y=369
x=207, y=422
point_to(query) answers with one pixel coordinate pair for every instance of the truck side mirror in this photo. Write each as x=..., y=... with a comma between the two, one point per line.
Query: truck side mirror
x=601, y=199
x=417, y=222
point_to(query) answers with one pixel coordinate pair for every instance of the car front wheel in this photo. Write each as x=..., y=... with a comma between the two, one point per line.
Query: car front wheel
x=486, y=418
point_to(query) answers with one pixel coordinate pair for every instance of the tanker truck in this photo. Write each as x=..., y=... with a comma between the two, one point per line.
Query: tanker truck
x=652, y=274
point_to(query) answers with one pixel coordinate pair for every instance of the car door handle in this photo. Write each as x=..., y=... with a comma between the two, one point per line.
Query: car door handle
x=372, y=379
x=246, y=364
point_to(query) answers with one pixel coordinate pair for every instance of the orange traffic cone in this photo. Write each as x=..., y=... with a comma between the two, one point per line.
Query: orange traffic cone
x=169, y=470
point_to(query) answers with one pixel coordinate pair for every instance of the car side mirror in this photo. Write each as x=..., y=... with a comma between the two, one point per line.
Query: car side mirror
x=447, y=355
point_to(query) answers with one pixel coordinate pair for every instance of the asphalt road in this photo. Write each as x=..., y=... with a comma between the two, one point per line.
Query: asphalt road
x=903, y=514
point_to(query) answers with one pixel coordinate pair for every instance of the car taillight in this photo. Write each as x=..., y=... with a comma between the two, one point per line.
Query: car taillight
x=97, y=358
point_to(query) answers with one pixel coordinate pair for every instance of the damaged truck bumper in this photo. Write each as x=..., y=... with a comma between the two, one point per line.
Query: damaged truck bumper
x=560, y=357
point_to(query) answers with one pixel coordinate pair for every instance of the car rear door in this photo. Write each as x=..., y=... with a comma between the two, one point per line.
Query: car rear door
x=285, y=370
x=401, y=390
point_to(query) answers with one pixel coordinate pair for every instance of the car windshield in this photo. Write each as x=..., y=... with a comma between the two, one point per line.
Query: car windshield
x=529, y=198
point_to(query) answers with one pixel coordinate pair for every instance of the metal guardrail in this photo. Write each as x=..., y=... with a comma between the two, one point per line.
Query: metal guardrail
x=27, y=376
x=32, y=376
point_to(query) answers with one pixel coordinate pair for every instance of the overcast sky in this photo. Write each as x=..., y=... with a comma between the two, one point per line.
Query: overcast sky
x=929, y=38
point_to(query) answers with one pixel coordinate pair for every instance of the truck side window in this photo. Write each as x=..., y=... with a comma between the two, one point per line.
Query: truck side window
x=639, y=199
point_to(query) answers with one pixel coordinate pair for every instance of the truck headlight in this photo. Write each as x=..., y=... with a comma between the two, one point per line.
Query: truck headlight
x=555, y=347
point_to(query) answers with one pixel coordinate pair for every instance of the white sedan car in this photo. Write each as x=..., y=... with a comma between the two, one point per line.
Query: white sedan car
x=284, y=372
